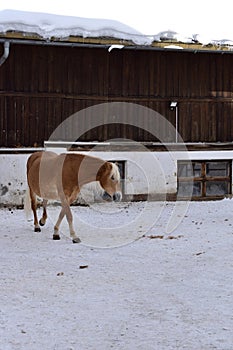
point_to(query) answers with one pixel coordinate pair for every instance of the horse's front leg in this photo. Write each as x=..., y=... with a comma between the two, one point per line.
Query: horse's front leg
x=69, y=217
x=65, y=211
x=56, y=235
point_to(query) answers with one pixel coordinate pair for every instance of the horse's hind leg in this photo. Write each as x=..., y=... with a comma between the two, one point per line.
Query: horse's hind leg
x=34, y=207
x=44, y=216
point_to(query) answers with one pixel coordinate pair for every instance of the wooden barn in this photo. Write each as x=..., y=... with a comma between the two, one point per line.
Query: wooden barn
x=42, y=82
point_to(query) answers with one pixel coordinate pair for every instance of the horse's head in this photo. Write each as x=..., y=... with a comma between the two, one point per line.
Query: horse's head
x=109, y=179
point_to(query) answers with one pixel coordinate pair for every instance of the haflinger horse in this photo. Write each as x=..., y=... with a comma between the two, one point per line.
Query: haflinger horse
x=60, y=177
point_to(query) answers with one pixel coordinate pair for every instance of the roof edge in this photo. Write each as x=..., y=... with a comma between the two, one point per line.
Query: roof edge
x=168, y=44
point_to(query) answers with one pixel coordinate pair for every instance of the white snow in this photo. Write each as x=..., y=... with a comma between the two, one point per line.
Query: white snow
x=57, y=26
x=159, y=291
x=49, y=25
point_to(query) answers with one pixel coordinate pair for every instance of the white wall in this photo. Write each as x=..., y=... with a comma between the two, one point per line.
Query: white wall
x=12, y=178
x=146, y=172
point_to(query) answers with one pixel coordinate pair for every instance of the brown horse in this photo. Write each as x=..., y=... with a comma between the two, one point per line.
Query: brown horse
x=60, y=177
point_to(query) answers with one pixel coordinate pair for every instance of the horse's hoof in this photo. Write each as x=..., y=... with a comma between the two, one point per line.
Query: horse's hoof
x=41, y=223
x=76, y=240
x=56, y=237
x=37, y=229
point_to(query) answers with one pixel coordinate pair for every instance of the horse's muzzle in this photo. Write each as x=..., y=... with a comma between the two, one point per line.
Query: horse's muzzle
x=117, y=196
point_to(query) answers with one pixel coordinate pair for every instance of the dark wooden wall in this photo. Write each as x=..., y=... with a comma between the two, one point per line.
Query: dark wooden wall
x=40, y=86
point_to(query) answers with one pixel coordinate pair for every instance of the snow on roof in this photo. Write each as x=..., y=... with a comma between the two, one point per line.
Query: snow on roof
x=50, y=26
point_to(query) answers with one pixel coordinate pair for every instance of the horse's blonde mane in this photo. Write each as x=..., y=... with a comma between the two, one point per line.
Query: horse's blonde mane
x=115, y=172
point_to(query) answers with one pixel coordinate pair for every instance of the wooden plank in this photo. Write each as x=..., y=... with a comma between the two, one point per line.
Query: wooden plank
x=3, y=123
x=115, y=74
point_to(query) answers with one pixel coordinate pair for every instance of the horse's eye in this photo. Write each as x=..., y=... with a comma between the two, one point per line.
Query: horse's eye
x=112, y=178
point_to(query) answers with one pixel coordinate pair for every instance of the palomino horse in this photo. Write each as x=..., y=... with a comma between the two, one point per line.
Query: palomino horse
x=60, y=177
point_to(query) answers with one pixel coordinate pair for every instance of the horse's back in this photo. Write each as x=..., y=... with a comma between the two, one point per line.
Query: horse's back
x=37, y=156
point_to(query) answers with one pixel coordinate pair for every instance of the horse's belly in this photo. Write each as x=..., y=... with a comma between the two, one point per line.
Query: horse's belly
x=49, y=192
x=52, y=196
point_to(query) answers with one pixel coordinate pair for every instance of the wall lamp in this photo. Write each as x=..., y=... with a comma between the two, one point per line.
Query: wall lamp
x=173, y=105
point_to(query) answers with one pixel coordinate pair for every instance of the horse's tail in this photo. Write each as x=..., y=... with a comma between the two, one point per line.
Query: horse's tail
x=27, y=203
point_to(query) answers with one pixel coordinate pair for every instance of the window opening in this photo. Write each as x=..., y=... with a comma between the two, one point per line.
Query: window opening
x=204, y=179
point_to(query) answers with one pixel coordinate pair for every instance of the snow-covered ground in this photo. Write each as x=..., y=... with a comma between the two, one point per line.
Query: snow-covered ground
x=153, y=291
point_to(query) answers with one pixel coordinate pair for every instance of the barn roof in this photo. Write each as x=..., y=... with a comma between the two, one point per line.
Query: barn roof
x=48, y=28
